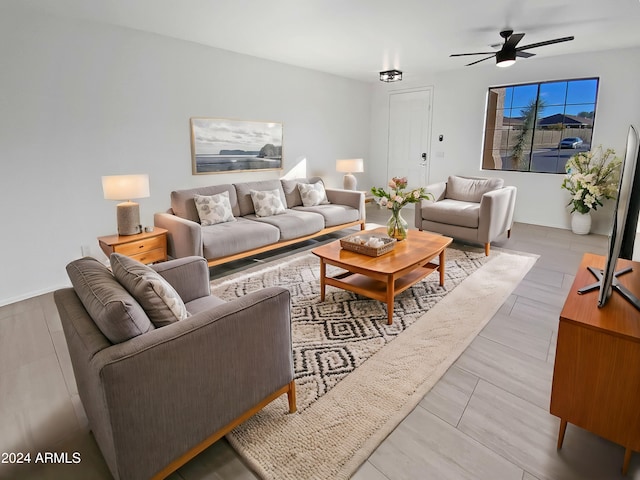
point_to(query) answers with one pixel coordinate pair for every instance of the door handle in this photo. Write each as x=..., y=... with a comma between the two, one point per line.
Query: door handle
x=423, y=163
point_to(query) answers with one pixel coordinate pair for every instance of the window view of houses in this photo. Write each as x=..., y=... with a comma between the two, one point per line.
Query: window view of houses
x=537, y=127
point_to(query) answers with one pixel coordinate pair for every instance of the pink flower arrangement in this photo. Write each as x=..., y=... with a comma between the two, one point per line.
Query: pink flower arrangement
x=397, y=197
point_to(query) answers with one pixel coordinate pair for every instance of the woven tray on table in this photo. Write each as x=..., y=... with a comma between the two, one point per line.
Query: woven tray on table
x=355, y=243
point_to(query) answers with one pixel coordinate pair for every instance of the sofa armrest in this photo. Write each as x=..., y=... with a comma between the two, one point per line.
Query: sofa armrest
x=351, y=198
x=173, y=387
x=184, y=238
x=189, y=276
x=496, y=213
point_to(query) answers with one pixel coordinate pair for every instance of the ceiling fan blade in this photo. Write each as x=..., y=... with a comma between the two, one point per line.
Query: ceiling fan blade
x=513, y=40
x=548, y=42
x=465, y=54
x=478, y=61
x=525, y=54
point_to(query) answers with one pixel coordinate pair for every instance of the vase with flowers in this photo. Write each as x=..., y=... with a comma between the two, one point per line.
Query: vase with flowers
x=592, y=177
x=396, y=198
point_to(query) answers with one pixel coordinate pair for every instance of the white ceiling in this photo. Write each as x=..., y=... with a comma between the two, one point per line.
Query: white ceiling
x=358, y=38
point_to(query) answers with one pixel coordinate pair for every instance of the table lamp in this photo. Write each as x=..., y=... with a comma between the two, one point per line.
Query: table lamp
x=126, y=187
x=350, y=166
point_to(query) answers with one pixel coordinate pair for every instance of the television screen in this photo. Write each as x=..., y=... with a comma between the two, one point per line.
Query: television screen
x=626, y=207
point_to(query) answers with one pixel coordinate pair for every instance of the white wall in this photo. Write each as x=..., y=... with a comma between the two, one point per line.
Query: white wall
x=459, y=113
x=79, y=100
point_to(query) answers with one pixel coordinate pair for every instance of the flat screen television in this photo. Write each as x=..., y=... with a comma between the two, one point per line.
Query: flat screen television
x=623, y=230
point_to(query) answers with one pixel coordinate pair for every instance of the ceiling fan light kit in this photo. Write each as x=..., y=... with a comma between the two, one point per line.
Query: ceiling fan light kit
x=506, y=56
x=391, y=76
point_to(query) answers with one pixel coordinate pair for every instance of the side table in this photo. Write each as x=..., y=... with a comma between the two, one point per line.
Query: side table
x=146, y=247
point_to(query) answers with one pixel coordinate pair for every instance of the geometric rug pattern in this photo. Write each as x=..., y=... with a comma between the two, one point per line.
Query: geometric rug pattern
x=334, y=337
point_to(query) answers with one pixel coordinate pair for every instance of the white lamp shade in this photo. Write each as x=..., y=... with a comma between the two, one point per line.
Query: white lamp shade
x=350, y=165
x=125, y=187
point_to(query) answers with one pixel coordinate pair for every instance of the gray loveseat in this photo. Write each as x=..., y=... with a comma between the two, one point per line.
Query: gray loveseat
x=163, y=394
x=468, y=208
x=249, y=234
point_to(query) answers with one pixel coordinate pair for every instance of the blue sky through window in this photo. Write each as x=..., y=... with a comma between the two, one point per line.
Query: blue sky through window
x=577, y=95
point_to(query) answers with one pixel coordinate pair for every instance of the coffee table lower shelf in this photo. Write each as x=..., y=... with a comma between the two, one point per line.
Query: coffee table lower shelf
x=384, y=289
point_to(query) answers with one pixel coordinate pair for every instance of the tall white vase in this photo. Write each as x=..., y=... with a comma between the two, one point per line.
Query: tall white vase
x=581, y=223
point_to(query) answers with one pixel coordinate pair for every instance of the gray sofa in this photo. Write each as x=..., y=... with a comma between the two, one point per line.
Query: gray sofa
x=468, y=208
x=249, y=234
x=160, y=397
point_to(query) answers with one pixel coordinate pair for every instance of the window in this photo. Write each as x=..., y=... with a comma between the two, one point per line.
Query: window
x=537, y=127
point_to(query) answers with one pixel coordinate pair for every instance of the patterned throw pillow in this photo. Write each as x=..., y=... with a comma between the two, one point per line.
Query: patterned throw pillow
x=160, y=301
x=214, y=209
x=312, y=194
x=267, y=203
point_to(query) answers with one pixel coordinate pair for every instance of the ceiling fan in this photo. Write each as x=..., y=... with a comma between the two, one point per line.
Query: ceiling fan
x=506, y=56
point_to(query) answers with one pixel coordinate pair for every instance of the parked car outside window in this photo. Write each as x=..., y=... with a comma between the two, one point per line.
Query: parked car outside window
x=570, y=142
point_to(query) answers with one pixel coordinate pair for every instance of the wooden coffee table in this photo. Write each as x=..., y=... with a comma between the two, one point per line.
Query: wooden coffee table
x=383, y=277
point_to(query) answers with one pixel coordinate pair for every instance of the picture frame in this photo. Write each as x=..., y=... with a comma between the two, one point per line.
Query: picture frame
x=222, y=145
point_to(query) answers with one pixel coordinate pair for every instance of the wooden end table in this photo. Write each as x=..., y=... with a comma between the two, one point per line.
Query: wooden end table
x=384, y=277
x=146, y=247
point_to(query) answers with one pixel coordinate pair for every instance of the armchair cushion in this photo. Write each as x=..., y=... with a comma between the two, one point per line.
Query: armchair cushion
x=468, y=189
x=453, y=212
x=159, y=299
x=115, y=312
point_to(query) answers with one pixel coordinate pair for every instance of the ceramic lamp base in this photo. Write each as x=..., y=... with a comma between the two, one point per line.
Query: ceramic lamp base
x=128, y=218
x=349, y=182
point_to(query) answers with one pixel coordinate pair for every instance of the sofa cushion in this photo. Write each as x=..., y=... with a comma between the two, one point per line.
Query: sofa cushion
x=159, y=299
x=226, y=239
x=291, y=192
x=333, y=214
x=452, y=212
x=312, y=194
x=243, y=191
x=469, y=189
x=183, y=204
x=214, y=209
x=267, y=202
x=293, y=223
x=115, y=312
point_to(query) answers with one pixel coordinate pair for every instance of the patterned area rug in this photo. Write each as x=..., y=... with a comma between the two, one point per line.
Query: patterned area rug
x=356, y=376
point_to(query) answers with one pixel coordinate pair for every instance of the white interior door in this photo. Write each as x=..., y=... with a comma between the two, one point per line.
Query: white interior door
x=409, y=135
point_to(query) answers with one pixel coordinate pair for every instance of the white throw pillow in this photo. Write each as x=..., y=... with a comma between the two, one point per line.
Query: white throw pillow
x=158, y=298
x=267, y=203
x=214, y=209
x=312, y=194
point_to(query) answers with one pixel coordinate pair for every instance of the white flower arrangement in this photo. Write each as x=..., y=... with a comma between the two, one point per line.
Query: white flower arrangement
x=591, y=178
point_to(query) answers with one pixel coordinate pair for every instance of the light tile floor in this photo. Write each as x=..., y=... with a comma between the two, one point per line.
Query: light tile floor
x=487, y=418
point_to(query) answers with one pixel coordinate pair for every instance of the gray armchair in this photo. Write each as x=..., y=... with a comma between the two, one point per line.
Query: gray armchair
x=468, y=208
x=158, y=399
